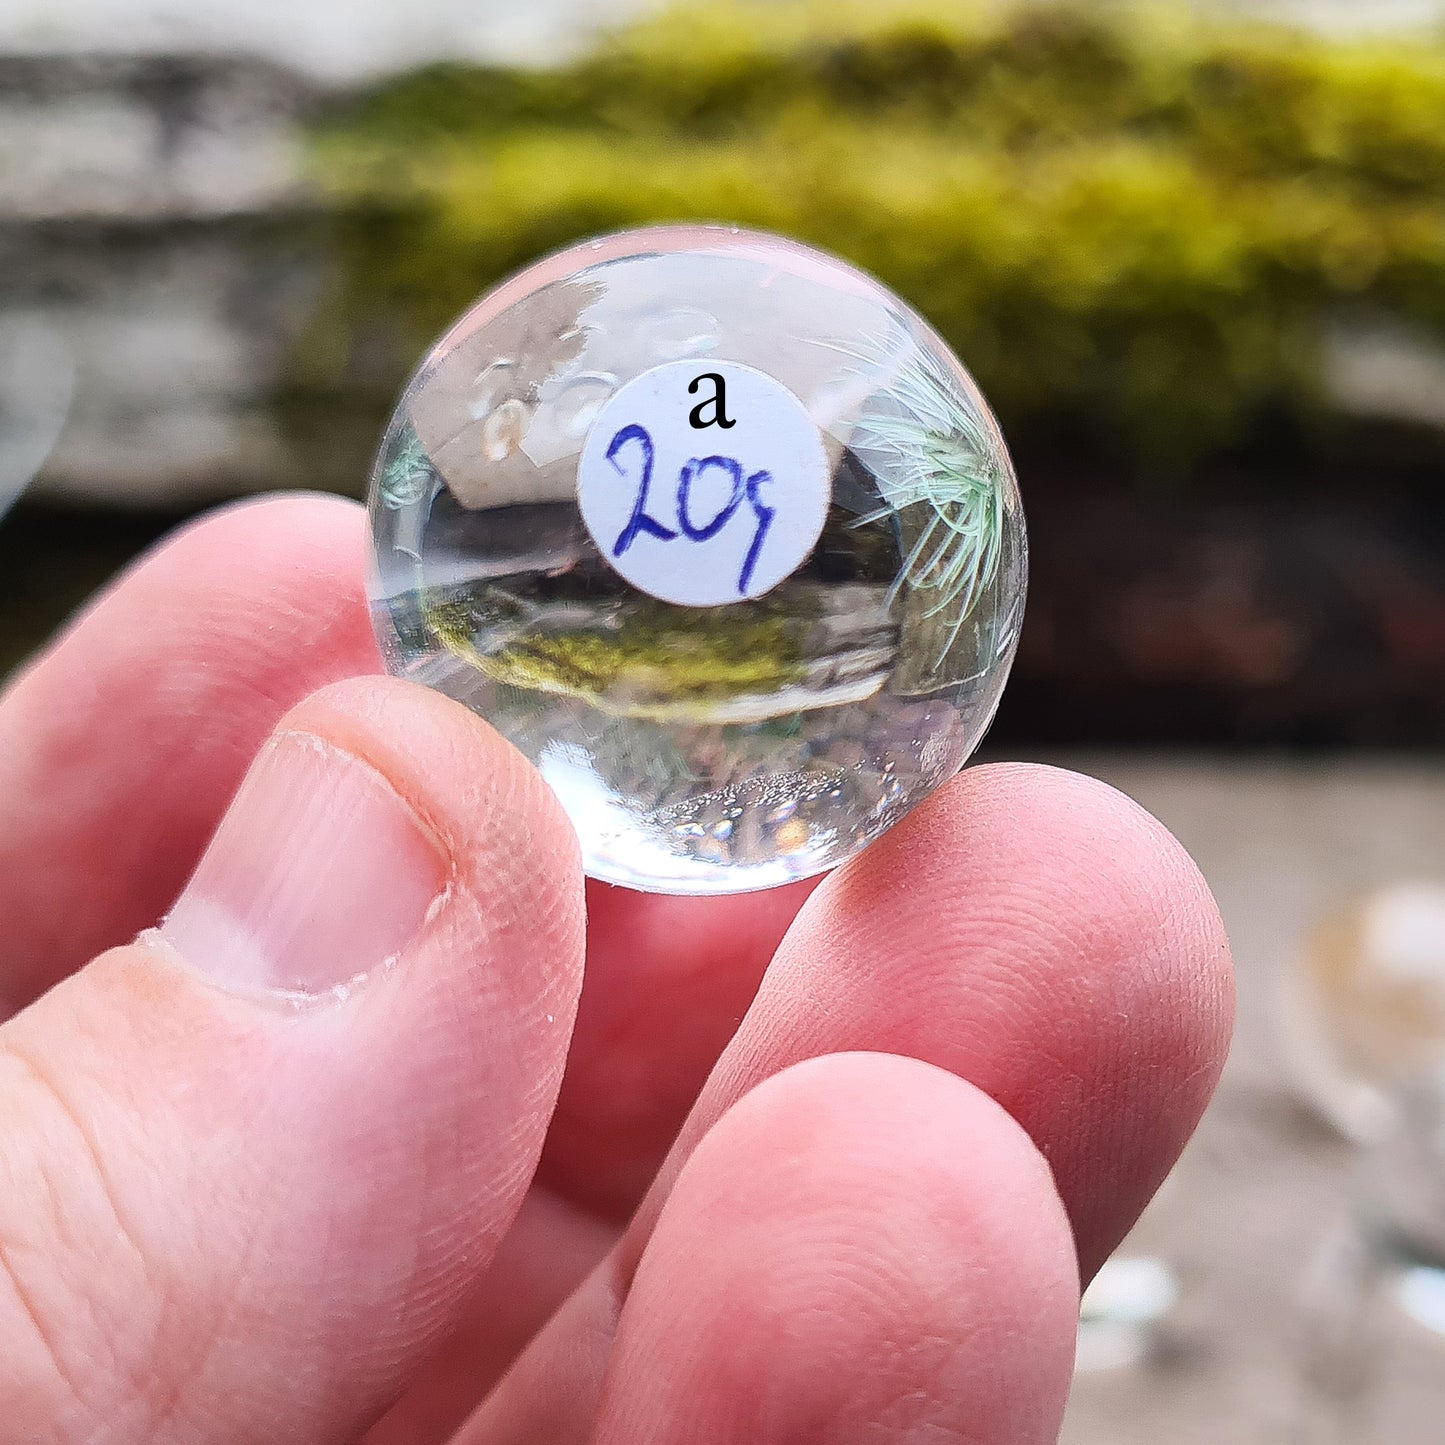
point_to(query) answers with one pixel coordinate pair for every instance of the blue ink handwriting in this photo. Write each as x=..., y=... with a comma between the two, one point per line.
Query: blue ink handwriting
x=642, y=522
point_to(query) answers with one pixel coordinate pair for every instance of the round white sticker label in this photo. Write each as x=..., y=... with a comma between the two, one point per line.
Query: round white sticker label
x=704, y=482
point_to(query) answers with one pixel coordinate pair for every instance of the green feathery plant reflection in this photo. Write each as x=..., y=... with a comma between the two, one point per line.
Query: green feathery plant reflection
x=930, y=449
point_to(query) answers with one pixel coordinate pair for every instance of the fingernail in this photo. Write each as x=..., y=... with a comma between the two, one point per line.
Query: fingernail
x=318, y=874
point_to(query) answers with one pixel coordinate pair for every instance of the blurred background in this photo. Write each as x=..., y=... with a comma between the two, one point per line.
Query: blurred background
x=1195, y=255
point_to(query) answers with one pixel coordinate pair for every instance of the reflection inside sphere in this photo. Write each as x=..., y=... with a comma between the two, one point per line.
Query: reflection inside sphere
x=759, y=738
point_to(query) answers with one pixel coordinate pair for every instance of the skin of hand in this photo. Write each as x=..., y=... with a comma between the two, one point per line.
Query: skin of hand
x=346, y=1149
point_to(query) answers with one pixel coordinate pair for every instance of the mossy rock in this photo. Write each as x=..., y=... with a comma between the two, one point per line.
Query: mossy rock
x=806, y=644
x=1130, y=225
x=642, y=658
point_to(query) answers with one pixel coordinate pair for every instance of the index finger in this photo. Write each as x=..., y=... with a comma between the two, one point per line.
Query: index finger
x=1039, y=934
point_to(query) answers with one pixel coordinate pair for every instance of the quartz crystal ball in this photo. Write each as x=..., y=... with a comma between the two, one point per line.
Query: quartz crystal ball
x=716, y=531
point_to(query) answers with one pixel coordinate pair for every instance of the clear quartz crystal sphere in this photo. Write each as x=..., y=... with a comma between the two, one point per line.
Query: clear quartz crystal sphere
x=720, y=534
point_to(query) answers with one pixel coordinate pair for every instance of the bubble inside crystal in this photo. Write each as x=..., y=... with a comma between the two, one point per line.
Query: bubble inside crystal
x=718, y=533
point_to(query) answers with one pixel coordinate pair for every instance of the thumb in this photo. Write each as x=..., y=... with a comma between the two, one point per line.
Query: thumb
x=253, y=1166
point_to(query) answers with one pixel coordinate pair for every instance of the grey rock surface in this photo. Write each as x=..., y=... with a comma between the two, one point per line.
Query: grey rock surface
x=153, y=229
x=328, y=39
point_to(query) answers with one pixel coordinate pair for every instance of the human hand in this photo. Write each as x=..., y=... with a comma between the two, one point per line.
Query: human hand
x=846, y=1201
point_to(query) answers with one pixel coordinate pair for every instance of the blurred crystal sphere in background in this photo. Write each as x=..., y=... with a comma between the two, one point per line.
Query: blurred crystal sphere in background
x=1364, y=1006
x=1365, y=1028
x=716, y=531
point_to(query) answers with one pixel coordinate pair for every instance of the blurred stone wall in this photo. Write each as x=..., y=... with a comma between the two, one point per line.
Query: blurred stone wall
x=161, y=254
x=159, y=251
x=158, y=254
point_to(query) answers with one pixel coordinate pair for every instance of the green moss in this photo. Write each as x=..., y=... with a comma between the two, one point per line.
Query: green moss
x=656, y=661
x=1118, y=218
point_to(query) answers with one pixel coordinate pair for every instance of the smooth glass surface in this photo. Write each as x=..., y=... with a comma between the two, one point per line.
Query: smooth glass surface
x=704, y=749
